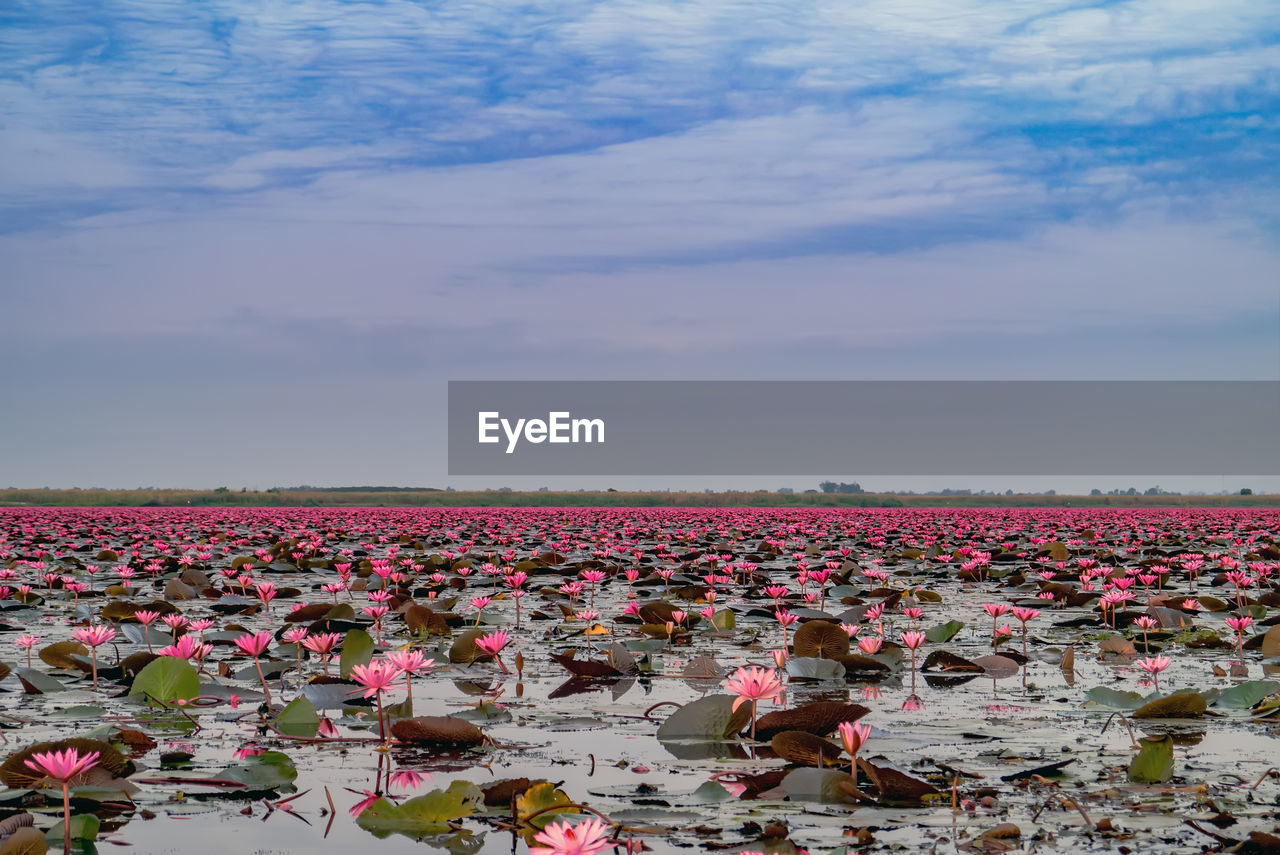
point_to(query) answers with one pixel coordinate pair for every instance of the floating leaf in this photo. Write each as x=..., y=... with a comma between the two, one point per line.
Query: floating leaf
x=422, y=816
x=893, y=785
x=39, y=683
x=997, y=666
x=584, y=667
x=1105, y=696
x=1117, y=645
x=827, y=786
x=542, y=796
x=269, y=770
x=167, y=679
x=806, y=749
x=943, y=632
x=438, y=730
x=1177, y=705
x=712, y=719
x=1247, y=694
x=464, y=650
x=810, y=668
x=25, y=841
x=357, y=649
x=724, y=620
x=821, y=639
x=299, y=718
x=84, y=826
x=817, y=717
x=1271, y=643
x=329, y=693
x=944, y=661
x=1154, y=763
x=58, y=655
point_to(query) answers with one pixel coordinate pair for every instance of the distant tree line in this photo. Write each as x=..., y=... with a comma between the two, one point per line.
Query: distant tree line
x=841, y=487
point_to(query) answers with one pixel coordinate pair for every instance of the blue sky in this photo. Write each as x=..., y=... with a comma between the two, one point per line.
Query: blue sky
x=249, y=243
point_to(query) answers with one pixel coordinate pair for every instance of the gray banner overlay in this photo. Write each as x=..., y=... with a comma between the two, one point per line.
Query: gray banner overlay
x=865, y=428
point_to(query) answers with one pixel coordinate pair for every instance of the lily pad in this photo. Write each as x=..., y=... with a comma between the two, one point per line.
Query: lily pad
x=422, y=816
x=712, y=719
x=167, y=679
x=1154, y=763
x=357, y=649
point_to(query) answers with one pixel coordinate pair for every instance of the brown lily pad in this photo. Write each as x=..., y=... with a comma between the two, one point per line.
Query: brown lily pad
x=894, y=786
x=1179, y=705
x=58, y=655
x=822, y=639
x=818, y=717
x=584, y=667
x=438, y=730
x=797, y=746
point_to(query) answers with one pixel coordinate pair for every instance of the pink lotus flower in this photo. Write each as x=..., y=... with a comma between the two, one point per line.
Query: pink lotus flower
x=1240, y=624
x=175, y=621
x=754, y=684
x=323, y=645
x=1153, y=665
x=492, y=644
x=27, y=642
x=410, y=662
x=376, y=677
x=63, y=766
x=853, y=735
x=912, y=640
x=870, y=645
x=253, y=643
x=93, y=637
x=562, y=838
x=187, y=647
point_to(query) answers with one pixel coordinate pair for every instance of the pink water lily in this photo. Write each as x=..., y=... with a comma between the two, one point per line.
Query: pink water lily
x=754, y=684
x=410, y=662
x=94, y=637
x=322, y=644
x=63, y=766
x=1153, y=665
x=564, y=838
x=853, y=735
x=254, y=644
x=492, y=644
x=376, y=677
x=27, y=642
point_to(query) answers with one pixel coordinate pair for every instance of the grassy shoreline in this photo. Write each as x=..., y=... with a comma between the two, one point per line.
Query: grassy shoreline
x=347, y=497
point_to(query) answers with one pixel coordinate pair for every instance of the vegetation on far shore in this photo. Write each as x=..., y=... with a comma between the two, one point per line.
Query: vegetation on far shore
x=427, y=497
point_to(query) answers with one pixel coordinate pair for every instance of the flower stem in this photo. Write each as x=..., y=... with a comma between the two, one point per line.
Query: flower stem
x=266, y=691
x=66, y=818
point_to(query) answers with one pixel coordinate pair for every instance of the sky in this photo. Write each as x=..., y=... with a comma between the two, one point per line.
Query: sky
x=248, y=244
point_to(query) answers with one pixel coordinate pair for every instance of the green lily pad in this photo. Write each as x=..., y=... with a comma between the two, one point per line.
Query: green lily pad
x=943, y=631
x=357, y=649
x=269, y=770
x=1104, y=696
x=712, y=719
x=167, y=679
x=1247, y=694
x=299, y=718
x=1154, y=763
x=422, y=816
